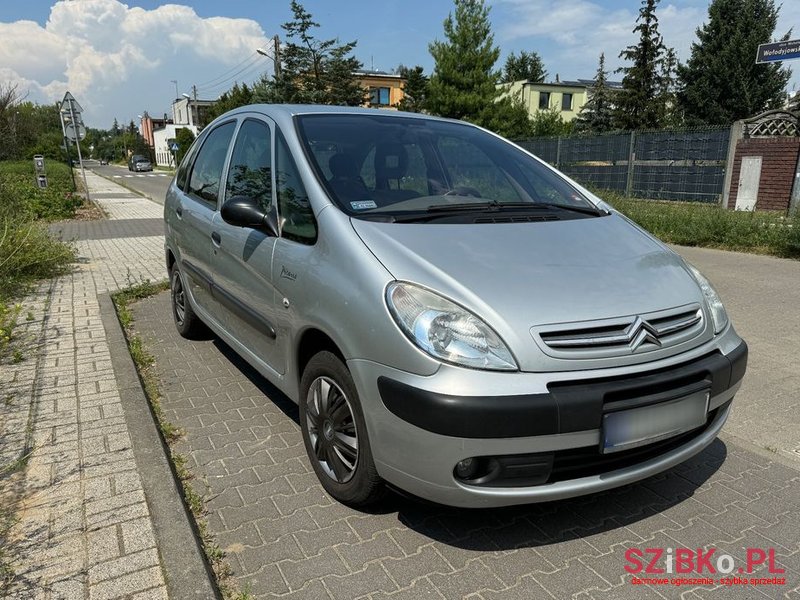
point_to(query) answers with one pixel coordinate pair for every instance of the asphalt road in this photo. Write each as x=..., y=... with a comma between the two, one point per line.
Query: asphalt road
x=762, y=297
x=152, y=184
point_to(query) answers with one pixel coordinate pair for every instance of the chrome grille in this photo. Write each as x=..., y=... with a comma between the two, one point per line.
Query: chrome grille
x=625, y=336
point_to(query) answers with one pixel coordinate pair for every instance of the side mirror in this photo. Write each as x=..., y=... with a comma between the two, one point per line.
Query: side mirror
x=243, y=211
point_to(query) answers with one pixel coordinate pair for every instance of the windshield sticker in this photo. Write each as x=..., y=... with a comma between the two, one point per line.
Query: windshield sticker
x=363, y=205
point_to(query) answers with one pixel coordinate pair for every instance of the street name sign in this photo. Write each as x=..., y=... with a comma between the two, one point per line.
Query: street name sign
x=777, y=51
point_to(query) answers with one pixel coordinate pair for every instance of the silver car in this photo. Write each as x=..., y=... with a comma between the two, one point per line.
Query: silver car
x=454, y=317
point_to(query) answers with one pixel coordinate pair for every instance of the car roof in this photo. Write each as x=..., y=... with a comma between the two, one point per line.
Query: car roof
x=283, y=113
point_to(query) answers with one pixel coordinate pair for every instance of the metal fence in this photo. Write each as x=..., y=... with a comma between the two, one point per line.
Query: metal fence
x=685, y=164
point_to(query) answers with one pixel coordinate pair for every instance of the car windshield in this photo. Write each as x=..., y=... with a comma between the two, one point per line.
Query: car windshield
x=377, y=166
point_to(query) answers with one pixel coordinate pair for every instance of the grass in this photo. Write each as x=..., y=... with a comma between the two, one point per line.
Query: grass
x=7, y=572
x=711, y=226
x=145, y=365
x=27, y=251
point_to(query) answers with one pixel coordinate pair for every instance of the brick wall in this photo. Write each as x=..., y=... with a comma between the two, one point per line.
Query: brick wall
x=778, y=164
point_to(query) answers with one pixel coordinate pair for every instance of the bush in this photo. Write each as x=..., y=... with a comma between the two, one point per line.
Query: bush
x=711, y=226
x=22, y=198
x=27, y=251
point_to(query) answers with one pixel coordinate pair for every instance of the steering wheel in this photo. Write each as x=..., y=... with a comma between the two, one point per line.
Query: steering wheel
x=463, y=190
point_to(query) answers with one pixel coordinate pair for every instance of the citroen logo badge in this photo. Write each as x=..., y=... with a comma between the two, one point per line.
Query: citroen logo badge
x=639, y=332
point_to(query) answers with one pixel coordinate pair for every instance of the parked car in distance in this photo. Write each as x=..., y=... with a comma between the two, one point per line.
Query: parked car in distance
x=103, y=161
x=453, y=316
x=139, y=163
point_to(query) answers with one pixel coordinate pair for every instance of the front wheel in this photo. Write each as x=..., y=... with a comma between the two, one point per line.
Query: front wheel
x=187, y=322
x=335, y=433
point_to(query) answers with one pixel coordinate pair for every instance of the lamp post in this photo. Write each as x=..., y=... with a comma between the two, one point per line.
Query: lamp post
x=275, y=56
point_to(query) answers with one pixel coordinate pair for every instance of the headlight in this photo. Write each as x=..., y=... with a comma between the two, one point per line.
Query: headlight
x=445, y=330
x=718, y=314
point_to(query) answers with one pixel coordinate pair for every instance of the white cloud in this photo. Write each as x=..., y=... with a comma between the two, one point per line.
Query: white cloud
x=118, y=61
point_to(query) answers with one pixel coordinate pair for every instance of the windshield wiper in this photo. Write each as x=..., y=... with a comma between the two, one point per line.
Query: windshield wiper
x=437, y=211
x=491, y=206
x=586, y=210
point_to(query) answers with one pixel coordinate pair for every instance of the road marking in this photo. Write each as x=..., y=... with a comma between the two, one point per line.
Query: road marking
x=117, y=176
x=128, y=176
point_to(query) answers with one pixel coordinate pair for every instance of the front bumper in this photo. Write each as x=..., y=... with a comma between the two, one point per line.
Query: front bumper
x=421, y=427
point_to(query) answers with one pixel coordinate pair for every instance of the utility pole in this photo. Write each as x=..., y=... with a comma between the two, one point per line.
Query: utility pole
x=277, y=56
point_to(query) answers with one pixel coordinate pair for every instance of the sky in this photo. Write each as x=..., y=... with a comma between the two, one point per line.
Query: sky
x=120, y=59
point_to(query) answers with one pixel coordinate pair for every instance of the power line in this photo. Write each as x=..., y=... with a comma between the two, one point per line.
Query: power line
x=247, y=68
x=223, y=75
x=253, y=70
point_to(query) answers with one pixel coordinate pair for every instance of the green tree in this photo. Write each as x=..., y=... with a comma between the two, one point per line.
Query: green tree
x=238, y=95
x=528, y=66
x=720, y=82
x=667, y=98
x=639, y=104
x=415, y=89
x=550, y=123
x=794, y=102
x=508, y=117
x=312, y=71
x=463, y=83
x=184, y=138
x=597, y=115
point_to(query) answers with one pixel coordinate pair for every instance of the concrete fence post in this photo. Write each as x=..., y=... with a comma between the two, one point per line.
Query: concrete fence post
x=737, y=133
x=558, y=153
x=794, y=199
x=631, y=160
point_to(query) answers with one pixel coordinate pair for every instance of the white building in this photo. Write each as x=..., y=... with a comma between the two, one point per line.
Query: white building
x=163, y=139
x=191, y=112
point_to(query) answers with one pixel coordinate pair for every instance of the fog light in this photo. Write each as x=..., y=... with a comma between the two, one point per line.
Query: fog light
x=465, y=469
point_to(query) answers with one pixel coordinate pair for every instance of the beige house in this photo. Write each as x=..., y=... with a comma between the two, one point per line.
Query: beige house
x=567, y=97
x=385, y=89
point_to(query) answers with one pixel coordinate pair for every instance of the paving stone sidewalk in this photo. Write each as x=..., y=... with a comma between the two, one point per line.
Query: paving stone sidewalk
x=286, y=538
x=85, y=528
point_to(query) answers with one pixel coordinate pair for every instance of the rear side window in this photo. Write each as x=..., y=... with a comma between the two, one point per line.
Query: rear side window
x=297, y=218
x=250, y=173
x=204, y=182
x=183, y=169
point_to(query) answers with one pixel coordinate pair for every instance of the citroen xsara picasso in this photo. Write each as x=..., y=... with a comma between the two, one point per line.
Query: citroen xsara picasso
x=453, y=316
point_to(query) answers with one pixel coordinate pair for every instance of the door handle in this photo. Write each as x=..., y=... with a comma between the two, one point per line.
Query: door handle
x=216, y=238
x=179, y=212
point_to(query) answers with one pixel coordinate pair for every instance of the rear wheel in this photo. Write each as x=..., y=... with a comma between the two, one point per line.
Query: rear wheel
x=335, y=433
x=186, y=320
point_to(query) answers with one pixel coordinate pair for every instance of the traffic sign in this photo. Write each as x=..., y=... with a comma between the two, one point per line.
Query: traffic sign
x=174, y=147
x=69, y=131
x=778, y=51
x=69, y=104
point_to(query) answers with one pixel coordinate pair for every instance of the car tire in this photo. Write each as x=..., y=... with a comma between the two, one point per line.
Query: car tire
x=186, y=320
x=335, y=433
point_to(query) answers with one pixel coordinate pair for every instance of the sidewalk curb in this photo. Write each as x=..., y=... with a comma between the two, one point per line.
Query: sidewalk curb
x=186, y=571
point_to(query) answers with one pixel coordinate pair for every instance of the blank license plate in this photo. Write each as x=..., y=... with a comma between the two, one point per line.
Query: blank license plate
x=628, y=429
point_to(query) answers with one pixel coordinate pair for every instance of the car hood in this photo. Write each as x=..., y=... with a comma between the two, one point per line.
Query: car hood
x=519, y=276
